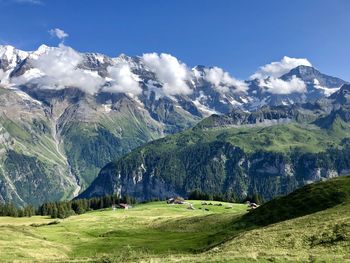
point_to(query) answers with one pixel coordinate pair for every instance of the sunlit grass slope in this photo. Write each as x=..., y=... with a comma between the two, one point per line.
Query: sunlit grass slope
x=145, y=231
x=275, y=138
x=311, y=224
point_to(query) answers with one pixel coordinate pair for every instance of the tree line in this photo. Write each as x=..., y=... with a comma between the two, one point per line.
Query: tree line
x=12, y=210
x=65, y=209
x=231, y=197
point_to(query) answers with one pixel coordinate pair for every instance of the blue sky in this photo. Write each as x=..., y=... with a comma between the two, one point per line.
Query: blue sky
x=238, y=36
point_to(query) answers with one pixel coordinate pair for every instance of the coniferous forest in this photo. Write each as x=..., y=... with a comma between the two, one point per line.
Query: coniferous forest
x=64, y=209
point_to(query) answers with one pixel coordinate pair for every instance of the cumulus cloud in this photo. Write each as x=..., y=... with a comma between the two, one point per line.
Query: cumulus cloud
x=171, y=72
x=278, y=68
x=123, y=80
x=59, y=33
x=222, y=80
x=279, y=86
x=59, y=69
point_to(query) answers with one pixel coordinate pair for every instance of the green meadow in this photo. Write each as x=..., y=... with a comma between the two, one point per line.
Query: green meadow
x=158, y=232
x=145, y=231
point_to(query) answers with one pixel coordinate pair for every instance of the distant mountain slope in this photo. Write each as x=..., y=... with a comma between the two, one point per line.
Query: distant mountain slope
x=63, y=144
x=271, y=151
x=65, y=114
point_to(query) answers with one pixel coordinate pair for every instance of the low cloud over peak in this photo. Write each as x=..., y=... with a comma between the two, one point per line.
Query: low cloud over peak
x=269, y=76
x=170, y=71
x=58, y=69
x=223, y=81
x=123, y=80
x=280, y=86
x=62, y=66
x=278, y=68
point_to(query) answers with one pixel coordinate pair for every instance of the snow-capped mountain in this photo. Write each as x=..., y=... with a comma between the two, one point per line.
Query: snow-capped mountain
x=313, y=86
x=65, y=114
x=202, y=90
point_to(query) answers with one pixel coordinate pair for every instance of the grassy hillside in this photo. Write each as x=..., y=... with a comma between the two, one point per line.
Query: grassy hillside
x=274, y=138
x=309, y=199
x=320, y=237
x=157, y=232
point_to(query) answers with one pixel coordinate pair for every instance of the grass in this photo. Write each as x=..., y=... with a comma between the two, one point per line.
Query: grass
x=276, y=138
x=311, y=224
x=306, y=200
x=147, y=230
x=280, y=138
x=319, y=237
x=157, y=232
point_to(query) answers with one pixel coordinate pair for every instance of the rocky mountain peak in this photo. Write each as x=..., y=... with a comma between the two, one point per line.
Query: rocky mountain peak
x=10, y=57
x=342, y=96
x=312, y=76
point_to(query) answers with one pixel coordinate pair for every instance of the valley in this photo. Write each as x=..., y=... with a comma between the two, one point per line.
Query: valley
x=174, y=131
x=59, y=128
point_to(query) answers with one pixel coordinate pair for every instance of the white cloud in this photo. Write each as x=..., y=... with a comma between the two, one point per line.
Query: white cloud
x=279, y=86
x=2, y=75
x=277, y=69
x=59, y=69
x=172, y=73
x=33, y=2
x=222, y=80
x=59, y=33
x=123, y=80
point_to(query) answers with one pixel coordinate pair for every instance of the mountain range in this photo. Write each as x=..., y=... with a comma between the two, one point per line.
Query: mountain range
x=65, y=115
x=270, y=151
